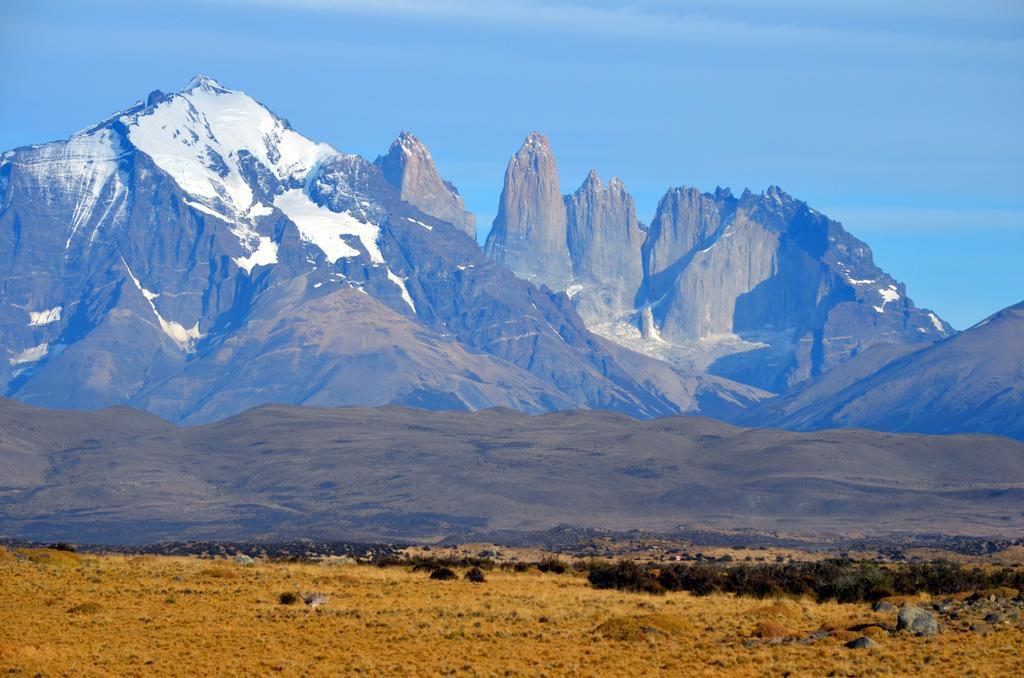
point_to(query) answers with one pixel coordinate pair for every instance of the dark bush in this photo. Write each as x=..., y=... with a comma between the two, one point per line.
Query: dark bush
x=63, y=546
x=552, y=564
x=475, y=575
x=442, y=574
x=287, y=598
x=698, y=579
x=625, y=575
x=516, y=567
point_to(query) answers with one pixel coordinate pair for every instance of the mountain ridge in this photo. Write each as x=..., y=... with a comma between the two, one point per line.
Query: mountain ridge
x=973, y=381
x=399, y=474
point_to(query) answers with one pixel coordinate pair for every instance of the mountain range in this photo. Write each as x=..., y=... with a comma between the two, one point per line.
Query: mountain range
x=194, y=256
x=761, y=289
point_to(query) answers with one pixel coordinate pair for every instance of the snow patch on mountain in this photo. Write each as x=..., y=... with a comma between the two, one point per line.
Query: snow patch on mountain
x=51, y=315
x=264, y=255
x=184, y=337
x=206, y=210
x=324, y=228
x=888, y=294
x=401, y=286
x=31, y=355
x=416, y=221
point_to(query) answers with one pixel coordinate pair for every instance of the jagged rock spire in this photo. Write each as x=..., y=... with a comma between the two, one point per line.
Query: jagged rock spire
x=529, y=233
x=409, y=166
x=604, y=240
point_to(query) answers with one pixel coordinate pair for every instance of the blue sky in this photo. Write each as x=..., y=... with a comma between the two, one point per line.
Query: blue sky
x=904, y=123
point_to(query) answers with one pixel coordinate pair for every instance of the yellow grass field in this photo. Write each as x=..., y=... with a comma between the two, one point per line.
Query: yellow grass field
x=71, y=614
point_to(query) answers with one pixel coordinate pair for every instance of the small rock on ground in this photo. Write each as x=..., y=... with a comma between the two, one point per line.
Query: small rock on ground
x=862, y=643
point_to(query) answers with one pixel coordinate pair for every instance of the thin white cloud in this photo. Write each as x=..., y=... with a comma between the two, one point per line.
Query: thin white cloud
x=743, y=24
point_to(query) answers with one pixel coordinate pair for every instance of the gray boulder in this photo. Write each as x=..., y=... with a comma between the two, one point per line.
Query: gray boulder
x=862, y=643
x=917, y=620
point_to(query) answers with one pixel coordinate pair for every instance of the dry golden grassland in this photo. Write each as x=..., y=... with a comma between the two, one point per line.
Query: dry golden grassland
x=70, y=614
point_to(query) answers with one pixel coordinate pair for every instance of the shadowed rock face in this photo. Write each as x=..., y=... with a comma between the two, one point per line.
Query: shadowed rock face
x=604, y=238
x=973, y=381
x=685, y=220
x=529, y=233
x=772, y=270
x=120, y=475
x=409, y=167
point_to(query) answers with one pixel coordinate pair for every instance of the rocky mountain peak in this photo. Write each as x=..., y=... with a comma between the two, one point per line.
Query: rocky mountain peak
x=529, y=233
x=536, y=142
x=409, y=167
x=409, y=145
x=203, y=82
x=592, y=182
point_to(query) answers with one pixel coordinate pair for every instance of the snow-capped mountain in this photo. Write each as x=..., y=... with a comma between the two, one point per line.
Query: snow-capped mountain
x=194, y=255
x=760, y=289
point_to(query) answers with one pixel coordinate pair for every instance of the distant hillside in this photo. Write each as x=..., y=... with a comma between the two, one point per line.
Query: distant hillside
x=119, y=475
x=973, y=382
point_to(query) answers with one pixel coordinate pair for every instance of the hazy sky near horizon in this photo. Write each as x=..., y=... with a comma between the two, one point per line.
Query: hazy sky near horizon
x=905, y=123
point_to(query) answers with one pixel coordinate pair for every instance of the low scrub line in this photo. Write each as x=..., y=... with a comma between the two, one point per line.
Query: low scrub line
x=845, y=581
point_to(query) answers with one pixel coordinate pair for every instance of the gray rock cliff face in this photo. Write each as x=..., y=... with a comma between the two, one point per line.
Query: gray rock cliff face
x=529, y=234
x=773, y=271
x=409, y=167
x=685, y=220
x=604, y=239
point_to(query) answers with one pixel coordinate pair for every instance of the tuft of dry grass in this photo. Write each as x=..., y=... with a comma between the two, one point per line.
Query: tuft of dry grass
x=770, y=629
x=218, y=573
x=86, y=608
x=642, y=626
x=51, y=557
